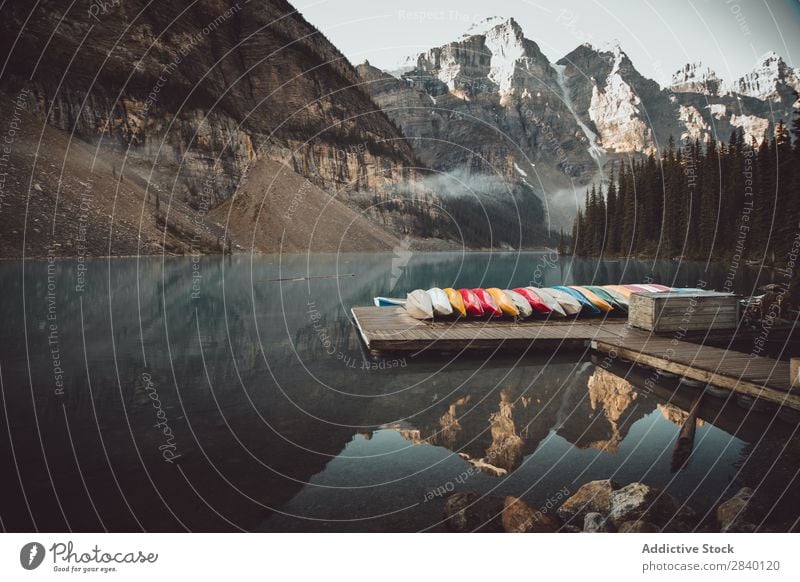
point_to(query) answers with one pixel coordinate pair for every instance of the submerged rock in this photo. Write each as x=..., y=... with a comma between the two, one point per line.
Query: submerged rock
x=519, y=517
x=594, y=522
x=737, y=513
x=641, y=502
x=637, y=526
x=466, y=512
x=592, y=497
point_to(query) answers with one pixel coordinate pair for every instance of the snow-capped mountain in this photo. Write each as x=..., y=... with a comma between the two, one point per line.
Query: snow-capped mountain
x=753, y=102
x=770, y=80
x=493, y=57
x=491, y=101
x=491, y=104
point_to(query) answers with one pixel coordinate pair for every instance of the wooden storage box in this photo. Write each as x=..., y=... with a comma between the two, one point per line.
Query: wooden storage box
x=681, y=312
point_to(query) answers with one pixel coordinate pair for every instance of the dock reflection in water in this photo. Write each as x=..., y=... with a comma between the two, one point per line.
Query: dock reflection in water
x=277, y=421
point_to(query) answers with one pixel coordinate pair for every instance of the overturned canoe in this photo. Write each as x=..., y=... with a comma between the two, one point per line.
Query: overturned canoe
x=568, y=303
x=472, y=304
x=534, y=299
x=660, y=288
x=620, y=298
x=638, y=288
x=550, y=301
x=621, y=289
x=418, y=305
x=456, y=301
x=504, y=302
x=597, y=301
x=520, y=302
x=440, y=302
x=388, y=301
x=587, y=307
x=609, y=298
x=490, y=306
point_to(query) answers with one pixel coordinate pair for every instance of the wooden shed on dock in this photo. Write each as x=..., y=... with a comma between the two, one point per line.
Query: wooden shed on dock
x=681, y=312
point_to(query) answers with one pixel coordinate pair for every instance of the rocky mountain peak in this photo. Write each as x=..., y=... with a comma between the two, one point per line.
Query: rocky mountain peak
x=495, y=25
x=770, y=80
x=493, y=55
x=695, y=78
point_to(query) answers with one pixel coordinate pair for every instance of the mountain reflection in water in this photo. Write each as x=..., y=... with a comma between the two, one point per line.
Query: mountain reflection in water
x=281, y=422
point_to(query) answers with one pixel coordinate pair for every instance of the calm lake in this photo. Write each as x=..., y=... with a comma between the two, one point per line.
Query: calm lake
x=220, y=394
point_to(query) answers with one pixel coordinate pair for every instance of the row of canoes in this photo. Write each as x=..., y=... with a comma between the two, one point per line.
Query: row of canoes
x=558, y=301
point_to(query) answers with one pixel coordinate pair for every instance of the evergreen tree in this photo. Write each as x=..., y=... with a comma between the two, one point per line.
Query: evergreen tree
x=612, y=221
x=700, y=201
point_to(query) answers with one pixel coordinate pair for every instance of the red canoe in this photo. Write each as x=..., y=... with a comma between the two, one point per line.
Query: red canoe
x=534, y=299
x=637, y=288
x=490, y=306
x=471, y=302
x=659, y=287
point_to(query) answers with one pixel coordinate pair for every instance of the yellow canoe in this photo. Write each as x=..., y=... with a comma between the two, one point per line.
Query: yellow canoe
x=596, y=300
x=504, y=301
x=624, y=291
x=456, y=301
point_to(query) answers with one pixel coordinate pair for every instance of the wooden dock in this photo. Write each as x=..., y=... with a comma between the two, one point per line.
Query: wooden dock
x=391, y=329
x=759, y=377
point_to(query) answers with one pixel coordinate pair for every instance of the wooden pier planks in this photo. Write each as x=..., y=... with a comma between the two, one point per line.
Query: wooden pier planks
x=392, y=329
x=758, y=377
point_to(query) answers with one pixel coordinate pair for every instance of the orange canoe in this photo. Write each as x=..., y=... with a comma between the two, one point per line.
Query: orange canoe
x=505, y=302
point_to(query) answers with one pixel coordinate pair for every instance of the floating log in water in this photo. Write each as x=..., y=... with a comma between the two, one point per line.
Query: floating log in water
x=685, y=442
x=342, y=276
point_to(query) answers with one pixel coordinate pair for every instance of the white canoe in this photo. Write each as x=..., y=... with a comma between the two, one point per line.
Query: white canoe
x=440, y=301
x=570, y=305
x=418, y=305
x=549, y=300
x=524, y=306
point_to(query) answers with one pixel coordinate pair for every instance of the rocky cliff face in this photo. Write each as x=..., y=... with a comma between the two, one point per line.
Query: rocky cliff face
x=191, y=97
x=629, y=112
x=207, y=90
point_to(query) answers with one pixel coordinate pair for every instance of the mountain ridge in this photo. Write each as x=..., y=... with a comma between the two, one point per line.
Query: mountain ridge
x=614, y=105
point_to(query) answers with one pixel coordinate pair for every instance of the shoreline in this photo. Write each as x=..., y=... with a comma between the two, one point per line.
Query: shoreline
x=275, y=254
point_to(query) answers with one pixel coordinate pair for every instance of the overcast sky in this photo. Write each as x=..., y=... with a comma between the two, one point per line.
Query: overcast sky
x=659, y=37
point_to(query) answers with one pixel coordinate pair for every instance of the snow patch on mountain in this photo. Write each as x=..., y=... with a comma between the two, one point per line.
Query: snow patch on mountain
x=483, y=27
x=696, y=127
x=755, y=128
x=507, y=45
x=718, y=110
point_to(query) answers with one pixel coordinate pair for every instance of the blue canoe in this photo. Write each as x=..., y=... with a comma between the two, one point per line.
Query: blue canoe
x=388, y=302
x=587, y=307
